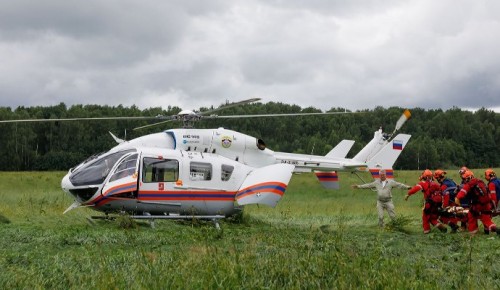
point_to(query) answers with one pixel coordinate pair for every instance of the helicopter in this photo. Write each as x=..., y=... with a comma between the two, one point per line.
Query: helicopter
x=188, y=173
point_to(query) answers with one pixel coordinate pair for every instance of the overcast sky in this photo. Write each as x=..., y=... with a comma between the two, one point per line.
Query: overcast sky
x=354, y=54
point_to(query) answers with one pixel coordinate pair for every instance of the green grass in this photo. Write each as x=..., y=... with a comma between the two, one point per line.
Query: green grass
x=313, y=239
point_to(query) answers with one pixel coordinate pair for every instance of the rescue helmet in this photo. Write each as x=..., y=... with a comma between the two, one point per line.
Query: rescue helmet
x=438, y=174
x=426, y=175
x=468, y=175
x=489, y=173
x=462, y=171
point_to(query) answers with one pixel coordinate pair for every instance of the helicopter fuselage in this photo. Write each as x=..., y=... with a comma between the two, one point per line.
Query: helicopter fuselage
x=137, y=178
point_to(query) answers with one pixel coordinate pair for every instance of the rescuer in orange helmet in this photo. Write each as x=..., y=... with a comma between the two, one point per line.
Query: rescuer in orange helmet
x=493, y=186
x=433, y=200
x=448, y=188
x=481, y=203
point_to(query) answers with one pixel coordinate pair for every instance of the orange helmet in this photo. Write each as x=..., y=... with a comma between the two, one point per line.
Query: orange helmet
x=426, y=174
x=489, y=173
x=462, y=171
x=467, y=175
x=438, y=174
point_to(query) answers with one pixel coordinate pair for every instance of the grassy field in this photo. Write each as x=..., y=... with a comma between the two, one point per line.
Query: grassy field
x=313, y=239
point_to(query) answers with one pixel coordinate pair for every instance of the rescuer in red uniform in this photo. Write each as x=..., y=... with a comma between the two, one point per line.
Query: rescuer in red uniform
x=493, y=186
x=465, y=202
x=481, y=203
x=432, y=201
x=448, y=188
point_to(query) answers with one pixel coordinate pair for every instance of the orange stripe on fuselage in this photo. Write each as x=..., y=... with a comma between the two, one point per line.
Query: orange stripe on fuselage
x=124, y=185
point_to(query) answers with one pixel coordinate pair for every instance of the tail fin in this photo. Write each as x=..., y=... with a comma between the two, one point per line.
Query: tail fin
x=389, y=153
x=380, y=140
x=387, y=156
x=341, y=150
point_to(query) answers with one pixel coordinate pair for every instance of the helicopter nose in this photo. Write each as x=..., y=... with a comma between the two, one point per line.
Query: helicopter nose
x=66, y=185
x=79, y=193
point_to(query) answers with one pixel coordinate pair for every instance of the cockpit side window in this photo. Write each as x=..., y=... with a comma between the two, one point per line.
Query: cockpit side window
x=125, y=168
x=160, y=170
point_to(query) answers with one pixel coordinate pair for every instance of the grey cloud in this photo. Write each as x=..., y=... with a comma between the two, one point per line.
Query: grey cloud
x=336, y=7
x=351, y=54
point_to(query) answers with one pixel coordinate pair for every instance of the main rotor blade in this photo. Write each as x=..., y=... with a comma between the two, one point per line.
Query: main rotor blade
x=230, y=105
x=200, y=115
x=278, y=115
x=81, y=119
x=151, y=125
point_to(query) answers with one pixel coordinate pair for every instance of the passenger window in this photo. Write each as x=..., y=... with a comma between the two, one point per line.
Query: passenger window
x=226, y=171
x=200, y=171
x=160, y=170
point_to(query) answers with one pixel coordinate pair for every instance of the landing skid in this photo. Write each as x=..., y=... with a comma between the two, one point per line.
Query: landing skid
x=214, y=218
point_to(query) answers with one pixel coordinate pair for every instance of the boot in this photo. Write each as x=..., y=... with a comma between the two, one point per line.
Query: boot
x=454, y=227
x=442, y=228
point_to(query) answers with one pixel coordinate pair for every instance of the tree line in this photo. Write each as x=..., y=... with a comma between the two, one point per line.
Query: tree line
x=440, y=138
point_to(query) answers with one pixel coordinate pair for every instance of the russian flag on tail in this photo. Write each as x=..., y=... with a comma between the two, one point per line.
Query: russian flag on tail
x=397, y=145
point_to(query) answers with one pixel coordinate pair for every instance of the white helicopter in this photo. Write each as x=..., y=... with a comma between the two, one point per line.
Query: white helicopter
x=210, y=174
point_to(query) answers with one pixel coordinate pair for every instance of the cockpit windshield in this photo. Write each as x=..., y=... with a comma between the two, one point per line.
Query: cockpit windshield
x=95, y=172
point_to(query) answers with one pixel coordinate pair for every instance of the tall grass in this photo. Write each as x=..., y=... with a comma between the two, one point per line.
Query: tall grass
x=313, y=239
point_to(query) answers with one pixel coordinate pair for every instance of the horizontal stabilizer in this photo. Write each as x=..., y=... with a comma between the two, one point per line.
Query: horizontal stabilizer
x=341, y=150
x=265, y=185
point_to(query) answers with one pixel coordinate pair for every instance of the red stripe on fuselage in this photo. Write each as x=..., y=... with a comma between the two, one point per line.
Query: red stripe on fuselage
x=271, y=187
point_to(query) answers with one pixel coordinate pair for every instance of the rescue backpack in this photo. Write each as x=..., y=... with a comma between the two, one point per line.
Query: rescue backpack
x=496, y=181
x=451, y=188
x=434, y=195
x=480, y=192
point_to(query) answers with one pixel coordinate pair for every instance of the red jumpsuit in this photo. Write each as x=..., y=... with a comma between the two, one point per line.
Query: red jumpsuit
x=481, y=205
x=432, y=202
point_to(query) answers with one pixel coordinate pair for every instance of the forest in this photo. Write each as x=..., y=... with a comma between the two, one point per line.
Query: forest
x=440, y=138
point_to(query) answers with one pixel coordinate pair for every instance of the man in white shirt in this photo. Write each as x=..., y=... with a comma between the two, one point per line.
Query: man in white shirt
x=384, y=195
